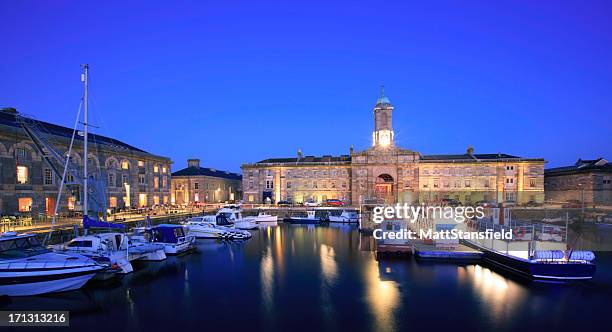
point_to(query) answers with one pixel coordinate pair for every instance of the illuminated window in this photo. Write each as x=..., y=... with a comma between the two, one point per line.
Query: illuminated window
x=164, y=169
x=112, y=201
x=165, y=199
x=25, y=204
x=196, y=197
x=22, y=174
x=155, y=168
x=125, y=164
x=156, y=200
x=140, y=163
x=71, y=201
x=156, y=182
x=164, y=182
x=48, y=176
x=142, y=200
x=251, y=198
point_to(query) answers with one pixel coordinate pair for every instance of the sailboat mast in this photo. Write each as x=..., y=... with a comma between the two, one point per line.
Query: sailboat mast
x=85, y=140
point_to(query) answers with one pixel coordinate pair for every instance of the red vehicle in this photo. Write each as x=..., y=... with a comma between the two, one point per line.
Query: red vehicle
x=334, y=202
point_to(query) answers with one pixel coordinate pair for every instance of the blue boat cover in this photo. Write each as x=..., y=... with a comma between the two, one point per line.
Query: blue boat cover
x=91, y=223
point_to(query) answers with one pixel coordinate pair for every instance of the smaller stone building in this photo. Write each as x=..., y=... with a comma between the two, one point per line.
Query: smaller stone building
x=206, y=185
x=587, y=180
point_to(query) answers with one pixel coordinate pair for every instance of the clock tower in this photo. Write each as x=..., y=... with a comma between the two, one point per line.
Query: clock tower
x=383, y=114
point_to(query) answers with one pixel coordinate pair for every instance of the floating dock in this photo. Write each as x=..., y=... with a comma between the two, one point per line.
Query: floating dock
x=395, y=250
x=459, y=253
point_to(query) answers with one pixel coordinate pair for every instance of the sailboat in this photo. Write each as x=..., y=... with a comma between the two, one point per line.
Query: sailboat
x=28, y=268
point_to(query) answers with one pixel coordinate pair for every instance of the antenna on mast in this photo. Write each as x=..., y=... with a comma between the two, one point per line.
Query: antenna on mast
x=85, y=80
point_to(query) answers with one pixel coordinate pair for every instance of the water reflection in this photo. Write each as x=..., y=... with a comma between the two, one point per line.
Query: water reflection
x=288, y=276
x=382, y=296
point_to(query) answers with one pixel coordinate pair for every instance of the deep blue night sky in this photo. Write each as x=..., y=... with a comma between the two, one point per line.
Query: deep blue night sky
x=232, y=82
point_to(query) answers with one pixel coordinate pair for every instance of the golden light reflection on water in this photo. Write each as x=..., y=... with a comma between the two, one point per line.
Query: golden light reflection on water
x=266, y=273
x=382, y=297
x=501, y=296
x=328, y=263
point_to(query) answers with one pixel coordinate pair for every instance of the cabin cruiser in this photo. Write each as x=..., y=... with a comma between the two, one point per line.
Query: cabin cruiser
x=346, y=216
x=264, y=217
x=203, y=228
x=172, y=237
x=109, y=249
x=310, y=218
x=233, y=215
x=27, y=268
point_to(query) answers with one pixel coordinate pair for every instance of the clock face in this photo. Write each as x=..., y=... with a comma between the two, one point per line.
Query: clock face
x=384, y=138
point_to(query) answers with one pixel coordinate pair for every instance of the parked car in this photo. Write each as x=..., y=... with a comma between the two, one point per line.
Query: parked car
x=283, y=203
x=311, y=203
x=334, y=202
x=532, y=204
x=450, y=202
x=572, y=204
x=484, y=203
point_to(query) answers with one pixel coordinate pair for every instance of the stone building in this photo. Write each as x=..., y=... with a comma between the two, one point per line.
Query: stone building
x=206, y=185
x=588, y=181
x=386, y=172
x=30, y=177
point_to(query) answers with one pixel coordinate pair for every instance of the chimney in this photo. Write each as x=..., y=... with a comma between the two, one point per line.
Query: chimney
x=193, y=163
x=470, y=150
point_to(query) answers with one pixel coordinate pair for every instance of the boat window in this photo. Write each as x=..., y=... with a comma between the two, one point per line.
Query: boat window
x=178, y=232
x=21, y=248
x=85, y=244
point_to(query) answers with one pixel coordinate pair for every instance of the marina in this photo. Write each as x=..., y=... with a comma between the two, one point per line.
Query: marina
x=338, y=280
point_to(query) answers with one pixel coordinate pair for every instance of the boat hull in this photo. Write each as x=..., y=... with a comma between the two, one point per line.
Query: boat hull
x=35, y=283
x=537, y=270
x=303, y=221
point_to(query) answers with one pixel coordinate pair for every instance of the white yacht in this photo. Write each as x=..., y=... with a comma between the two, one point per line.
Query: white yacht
x=171, y=237
x=27, y=268
x=202, y=227
x=264, y=217
x=233, y=215
x=105, y=248
x=346, y=216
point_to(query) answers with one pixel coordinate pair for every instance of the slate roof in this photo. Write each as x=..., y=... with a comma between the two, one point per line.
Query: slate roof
x=201, y=171
x=8, y=117
x=307, y=159
x=581, y=166
x=476, y=157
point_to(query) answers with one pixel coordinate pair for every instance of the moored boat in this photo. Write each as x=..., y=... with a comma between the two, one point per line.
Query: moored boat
x=27, y=268
x=203, y=228
x=546, y=265
x=347, y=216
x=172, y=237
x=310, y=218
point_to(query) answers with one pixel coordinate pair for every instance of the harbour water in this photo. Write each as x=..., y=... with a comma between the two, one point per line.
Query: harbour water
x=293, y=277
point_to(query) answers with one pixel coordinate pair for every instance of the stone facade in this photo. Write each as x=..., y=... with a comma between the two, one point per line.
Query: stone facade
x=587, y=180
x=30, y=182
x=206, y=185
x=388, y=173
